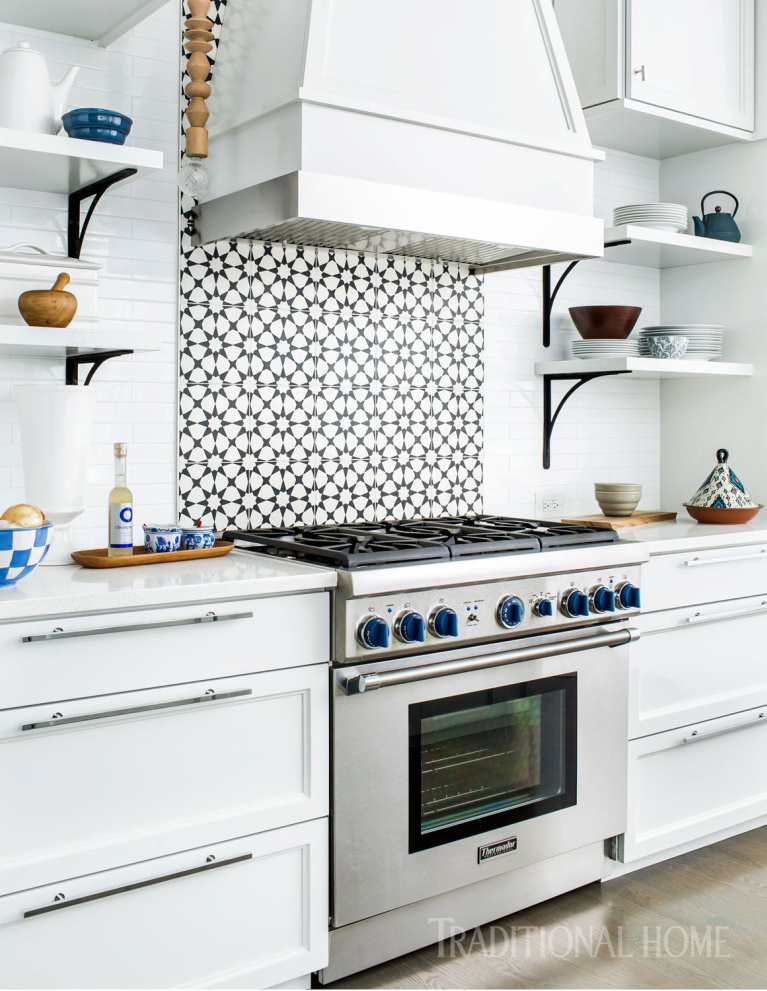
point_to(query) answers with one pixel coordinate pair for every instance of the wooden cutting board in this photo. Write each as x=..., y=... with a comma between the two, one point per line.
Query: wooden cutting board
x=637, y=518
x=100, y=558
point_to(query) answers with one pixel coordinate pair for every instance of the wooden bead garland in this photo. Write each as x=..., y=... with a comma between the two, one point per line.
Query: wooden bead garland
x=198, y=37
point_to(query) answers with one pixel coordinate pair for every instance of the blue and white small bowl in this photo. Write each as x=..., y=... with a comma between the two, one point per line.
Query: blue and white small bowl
x=22, y=548
x=160, y=539
x=667, y=346
x=197, y=537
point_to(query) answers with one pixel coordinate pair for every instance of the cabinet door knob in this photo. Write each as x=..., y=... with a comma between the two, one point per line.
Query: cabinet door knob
x=640, y=72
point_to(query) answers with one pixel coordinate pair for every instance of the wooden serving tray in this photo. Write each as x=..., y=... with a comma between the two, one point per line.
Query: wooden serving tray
x=637, y=518
x=100, y=558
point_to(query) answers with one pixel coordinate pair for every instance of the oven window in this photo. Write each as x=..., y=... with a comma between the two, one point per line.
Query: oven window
x=484, y=760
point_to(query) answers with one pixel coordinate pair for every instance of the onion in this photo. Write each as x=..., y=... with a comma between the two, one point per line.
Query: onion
x=24, y=515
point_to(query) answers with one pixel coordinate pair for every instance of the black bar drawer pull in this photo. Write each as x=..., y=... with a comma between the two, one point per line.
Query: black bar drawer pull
x=132, y=887
x=133, y=710
x=210, y=617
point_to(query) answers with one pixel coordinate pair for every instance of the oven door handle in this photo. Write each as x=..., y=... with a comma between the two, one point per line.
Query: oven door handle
x=352, y=682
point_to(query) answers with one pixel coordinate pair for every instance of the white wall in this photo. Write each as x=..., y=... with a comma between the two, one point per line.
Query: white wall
x=134, y=235
x=610, y=429
x=699, y=417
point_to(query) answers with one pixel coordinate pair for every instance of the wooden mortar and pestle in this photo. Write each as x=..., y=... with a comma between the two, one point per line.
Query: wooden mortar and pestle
x=49, y=307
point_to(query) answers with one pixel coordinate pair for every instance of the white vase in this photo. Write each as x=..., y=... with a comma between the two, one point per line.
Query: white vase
x=56, y=422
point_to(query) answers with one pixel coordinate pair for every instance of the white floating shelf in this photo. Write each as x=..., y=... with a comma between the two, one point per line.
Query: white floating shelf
x=96, y=20
x=664, y=249
x=50, y=342
x=649, y=368
x=58, y=164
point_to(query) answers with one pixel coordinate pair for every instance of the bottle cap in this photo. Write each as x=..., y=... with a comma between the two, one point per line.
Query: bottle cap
x=121, y=450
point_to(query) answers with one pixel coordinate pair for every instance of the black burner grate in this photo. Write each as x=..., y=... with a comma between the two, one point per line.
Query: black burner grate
x=366, y=544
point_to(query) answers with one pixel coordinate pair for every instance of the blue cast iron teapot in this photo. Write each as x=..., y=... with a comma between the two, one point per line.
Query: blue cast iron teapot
x=718, y=225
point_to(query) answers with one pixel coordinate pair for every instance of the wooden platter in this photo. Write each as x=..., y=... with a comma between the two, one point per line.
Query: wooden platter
x=99, y=558
x=637, y=518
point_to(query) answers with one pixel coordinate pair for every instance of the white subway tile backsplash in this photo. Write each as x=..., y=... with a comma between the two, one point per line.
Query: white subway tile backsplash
x=610, y=428
x=139, y=278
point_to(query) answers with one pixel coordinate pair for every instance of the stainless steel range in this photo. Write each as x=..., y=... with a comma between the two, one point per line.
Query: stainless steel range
x=479, y=689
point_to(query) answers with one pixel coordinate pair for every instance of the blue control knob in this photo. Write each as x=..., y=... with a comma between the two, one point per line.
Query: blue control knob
x=575, y=604
x=543, y=607
x=373, y=633
x=410, y=627
x=629, y=596
x=602, y=599
x=510, y=612
x=443, y=622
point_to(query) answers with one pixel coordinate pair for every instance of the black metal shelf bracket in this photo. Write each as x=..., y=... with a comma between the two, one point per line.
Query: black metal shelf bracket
x=548, y=419
x=73, y=362
x=549, y=296
x=76, y=231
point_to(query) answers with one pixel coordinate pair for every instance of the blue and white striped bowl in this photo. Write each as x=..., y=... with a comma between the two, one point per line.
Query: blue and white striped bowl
x=22, y=548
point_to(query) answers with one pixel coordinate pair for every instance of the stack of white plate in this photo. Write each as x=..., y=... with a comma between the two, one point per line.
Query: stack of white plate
x=705, y=340
x=661, y=216
x=605, y=348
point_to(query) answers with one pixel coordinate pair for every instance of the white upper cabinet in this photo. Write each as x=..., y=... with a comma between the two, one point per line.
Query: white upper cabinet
x=693, y=56
x=662, y=77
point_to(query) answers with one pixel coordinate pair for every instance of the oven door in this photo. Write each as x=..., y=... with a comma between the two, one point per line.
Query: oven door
x=451, y=770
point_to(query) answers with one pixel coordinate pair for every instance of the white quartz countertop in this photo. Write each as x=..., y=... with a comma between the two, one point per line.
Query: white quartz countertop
x=684, y=534
x=54, y=591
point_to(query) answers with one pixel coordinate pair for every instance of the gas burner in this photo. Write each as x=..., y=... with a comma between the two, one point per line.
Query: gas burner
x=357, y=545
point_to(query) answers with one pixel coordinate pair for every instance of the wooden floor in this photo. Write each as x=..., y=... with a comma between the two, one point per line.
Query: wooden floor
x=655, y=928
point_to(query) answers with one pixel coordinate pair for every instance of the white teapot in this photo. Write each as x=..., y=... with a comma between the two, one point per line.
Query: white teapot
x=28, y=100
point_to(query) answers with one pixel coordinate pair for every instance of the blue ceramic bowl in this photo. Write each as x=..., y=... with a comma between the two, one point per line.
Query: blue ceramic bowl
x=196, y=537
x=22, y=548
x=159, y=539
x=91, y=124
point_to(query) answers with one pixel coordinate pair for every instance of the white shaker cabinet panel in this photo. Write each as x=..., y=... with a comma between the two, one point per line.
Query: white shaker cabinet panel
x=698, y=662
x=69, y=657
x=693, y=781
x=662, y=78
x=249, y=913
x=693, y=56
x=672, y=580
x=593, y=32
x=98, y=782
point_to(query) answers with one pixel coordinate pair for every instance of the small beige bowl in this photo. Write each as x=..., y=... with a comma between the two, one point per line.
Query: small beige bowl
x=617, y=498
x=618, y=486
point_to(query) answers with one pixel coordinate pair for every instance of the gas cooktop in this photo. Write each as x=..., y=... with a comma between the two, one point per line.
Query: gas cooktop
x=356, y=545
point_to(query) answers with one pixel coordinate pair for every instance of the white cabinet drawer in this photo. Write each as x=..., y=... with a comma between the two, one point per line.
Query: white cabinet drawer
x=120, y=652
x=672, y=580
x=699, y=662
x=99, y=782
x=248, y=913
x=681, y=791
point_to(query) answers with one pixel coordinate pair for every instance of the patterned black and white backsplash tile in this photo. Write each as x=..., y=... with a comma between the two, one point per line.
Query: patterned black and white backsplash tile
x=327, y=386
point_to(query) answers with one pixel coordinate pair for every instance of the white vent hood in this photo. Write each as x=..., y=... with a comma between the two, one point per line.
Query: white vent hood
x=435, y=128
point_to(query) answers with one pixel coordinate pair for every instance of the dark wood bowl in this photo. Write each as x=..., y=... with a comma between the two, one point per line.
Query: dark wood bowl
x=604, y=322
x=711, y=514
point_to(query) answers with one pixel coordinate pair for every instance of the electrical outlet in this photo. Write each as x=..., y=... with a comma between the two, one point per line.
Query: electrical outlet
x=549, y=504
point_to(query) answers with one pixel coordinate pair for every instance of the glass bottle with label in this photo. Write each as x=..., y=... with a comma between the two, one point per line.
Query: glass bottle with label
x=120, y=508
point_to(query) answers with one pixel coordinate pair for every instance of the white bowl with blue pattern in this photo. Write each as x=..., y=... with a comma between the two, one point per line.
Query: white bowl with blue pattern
x=195, y=538
x=22, y=548
x=161, y=539
x=667, y=346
